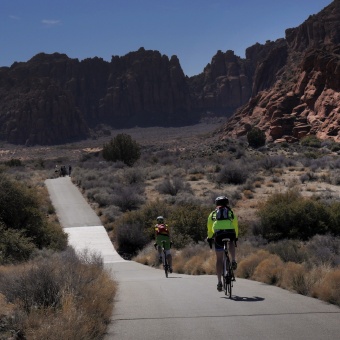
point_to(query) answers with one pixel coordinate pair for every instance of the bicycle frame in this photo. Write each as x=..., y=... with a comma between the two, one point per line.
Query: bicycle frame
x=165, y=260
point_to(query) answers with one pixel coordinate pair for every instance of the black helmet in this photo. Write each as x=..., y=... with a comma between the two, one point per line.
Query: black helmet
x=160, y=219
x=222, y=200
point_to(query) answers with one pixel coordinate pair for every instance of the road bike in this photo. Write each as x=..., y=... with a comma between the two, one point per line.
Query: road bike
x=166, y=265
x=228, y=273
x=164, y=259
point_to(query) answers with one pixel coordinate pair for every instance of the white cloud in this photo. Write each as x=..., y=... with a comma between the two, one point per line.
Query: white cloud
x=14, y=17
x=50, y=22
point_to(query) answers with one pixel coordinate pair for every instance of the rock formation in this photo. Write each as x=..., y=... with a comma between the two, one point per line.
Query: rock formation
x=288, y=88
x=305, y=97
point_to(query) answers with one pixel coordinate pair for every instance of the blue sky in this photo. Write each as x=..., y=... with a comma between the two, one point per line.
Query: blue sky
x=194, y=30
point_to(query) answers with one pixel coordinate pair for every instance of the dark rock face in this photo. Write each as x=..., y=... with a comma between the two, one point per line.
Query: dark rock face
x=224, y=85
x=53, y=99
x=34, y=108
x=288, y=88
x=305, y=96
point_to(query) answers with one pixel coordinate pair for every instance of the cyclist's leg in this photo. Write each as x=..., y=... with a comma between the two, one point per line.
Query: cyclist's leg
x=232, y=251
x=168, y=251
x=219, y=254
x=160, y=253
x=169, y=257
x=219, y=264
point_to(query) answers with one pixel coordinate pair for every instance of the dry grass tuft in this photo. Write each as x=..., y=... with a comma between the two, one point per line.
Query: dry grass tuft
x=329, y=288
x=247, y=266
x=269, y=270
x=294, y=277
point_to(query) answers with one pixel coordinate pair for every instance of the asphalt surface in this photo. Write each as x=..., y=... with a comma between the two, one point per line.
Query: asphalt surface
x=84, y=228
x=150, y=306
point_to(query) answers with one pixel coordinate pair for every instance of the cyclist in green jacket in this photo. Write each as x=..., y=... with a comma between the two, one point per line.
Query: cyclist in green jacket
x=162, y=233
x=222, y=223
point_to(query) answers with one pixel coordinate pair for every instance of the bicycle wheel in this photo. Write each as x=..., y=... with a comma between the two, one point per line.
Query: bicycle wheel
x=225, y=274
x=166, y=266
x=229, y=282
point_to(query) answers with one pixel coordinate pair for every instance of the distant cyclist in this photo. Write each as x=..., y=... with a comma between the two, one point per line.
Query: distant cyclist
x=162, y=233
x=222, y=223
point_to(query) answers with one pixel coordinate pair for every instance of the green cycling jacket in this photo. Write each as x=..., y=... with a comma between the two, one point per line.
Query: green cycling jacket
x=214, y=225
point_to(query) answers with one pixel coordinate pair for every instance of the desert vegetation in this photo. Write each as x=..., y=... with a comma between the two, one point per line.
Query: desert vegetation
x=46, y=290
x=285, y=196
x=56, y=295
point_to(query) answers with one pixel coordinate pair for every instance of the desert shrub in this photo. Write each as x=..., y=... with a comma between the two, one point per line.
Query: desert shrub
x=196, y=266
x=147, y=256
x=143, y=221
x=135, y=229
x=194, y=259
x=13, y=162
x=133, y=176
x=334, y=211
x=335, y=147
x=103, y=198
x=335, y=179
x=122, y=148
x=320, y=163
x=309, y=176
x=324, y=249
x=128, y=197
x=311, y=141
x=256, y=137
x=268, y=270
x=271, y=162
x=58, y=289
x=232, y=173
x=188, y=222
x=131, y=238
x=247, y=266
x=23, y=221
x=14, y=245
x=289, y=215
x=289, y=250
x=172, y=186
x=294, y=278
x=328, y=289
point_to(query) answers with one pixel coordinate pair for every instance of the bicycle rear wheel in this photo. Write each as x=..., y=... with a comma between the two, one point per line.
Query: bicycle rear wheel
x=229, y=285
x=227, y=278
x=224, y=274
x=165, y=265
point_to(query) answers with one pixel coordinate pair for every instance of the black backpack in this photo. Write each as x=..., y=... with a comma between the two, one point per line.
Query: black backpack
x=223, y=213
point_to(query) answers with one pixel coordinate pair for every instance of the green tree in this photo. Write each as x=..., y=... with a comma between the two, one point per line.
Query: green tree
x=256, y=137
x=122, y=148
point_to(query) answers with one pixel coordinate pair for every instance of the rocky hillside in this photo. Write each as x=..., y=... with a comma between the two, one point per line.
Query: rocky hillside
x=289, y=87
x=304, y=97
x=54, y=99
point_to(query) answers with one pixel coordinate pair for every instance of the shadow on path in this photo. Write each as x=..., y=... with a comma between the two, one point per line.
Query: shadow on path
x=244, y=298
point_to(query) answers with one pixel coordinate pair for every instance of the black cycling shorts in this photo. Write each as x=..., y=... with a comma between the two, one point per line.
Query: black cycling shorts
x=221, y=234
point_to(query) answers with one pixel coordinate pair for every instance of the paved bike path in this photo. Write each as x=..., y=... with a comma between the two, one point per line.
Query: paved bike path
x=151, y=307
x=83, y=226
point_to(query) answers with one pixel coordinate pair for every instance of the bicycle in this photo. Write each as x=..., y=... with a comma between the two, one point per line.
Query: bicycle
x=228, y=272
x=166, y=266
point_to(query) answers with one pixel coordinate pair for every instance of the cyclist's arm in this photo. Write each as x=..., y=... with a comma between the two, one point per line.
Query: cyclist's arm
x=209, y=225
x=235, y=224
